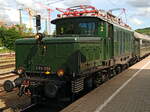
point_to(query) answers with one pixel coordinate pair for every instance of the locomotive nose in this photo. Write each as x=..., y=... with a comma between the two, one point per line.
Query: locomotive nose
x=51, y=89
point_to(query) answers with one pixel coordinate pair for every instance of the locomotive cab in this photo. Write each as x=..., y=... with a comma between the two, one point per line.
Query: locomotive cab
x=77, y=27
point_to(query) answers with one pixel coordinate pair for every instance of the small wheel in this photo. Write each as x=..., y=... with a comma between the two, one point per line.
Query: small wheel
x=103, y=78
x=118, y=69
x=114, y=72
x=97, y=80
x=8, y=86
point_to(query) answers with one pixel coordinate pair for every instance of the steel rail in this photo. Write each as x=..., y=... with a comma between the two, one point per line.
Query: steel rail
x=8, y=61
x=7, y=66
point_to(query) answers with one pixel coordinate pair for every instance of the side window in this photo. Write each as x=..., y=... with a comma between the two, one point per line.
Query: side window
x=92, y=28
x=110, y=30
x=77, y=27
x=87, y=28
x=83, y=28
x=65, y=28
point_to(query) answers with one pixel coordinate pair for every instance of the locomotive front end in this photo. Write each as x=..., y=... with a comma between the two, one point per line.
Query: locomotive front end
x=44, y=67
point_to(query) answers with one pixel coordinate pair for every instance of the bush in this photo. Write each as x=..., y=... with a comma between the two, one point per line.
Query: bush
x=8, y=37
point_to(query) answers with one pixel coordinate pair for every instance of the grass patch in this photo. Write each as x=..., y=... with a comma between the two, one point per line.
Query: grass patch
x=5, y=50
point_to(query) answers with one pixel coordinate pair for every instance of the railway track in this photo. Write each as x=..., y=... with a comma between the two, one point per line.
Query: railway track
x=1, y=89
x=7, y=75
x=7, y=66
x=7, y=61
x=10, y=102
x=7, y=55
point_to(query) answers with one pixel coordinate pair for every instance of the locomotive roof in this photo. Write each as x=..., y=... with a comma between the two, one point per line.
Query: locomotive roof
x=97, y=17
x=57, y=19
x=90, y=11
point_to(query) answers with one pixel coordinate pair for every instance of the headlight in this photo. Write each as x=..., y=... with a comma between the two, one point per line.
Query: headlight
x=60, y=72
x=47, y=73
x=20, y=70
x=39, y=36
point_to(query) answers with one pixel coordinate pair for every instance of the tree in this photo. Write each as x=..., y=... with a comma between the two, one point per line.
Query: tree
x=24, y=31
x=2, y=33
x=145, y=31
x=8, y=37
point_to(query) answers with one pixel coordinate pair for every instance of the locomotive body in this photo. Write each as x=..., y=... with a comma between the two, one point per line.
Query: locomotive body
x=86, y=51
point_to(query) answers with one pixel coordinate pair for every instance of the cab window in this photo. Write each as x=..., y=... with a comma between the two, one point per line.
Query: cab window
x=77, y=27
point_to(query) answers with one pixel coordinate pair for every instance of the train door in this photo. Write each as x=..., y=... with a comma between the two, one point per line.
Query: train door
x=106, y=32
x=136, y=47
x=108, y=42
x=102, y=32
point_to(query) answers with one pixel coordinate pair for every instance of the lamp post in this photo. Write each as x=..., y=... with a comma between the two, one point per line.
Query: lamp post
x=20, y=19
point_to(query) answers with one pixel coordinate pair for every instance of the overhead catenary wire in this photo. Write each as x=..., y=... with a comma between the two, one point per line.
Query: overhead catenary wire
x=116, y=5
x=54, y=2
x=123, y=11
x=113, y=4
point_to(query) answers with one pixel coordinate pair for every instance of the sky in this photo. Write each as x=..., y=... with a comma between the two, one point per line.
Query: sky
x=137, y=11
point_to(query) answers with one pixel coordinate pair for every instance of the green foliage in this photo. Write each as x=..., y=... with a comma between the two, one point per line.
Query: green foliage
x=24, y=30
x=8, y=37
x=144, y=31
x=0, y=42
x=5, y=50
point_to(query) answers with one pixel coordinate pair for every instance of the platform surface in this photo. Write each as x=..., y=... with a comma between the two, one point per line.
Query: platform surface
x=126, y=92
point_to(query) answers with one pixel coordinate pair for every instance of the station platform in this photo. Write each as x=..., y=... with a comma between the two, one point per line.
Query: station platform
x=127, y=92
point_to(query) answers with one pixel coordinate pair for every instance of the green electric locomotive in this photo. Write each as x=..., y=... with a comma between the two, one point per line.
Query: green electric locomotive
x=90, y=47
